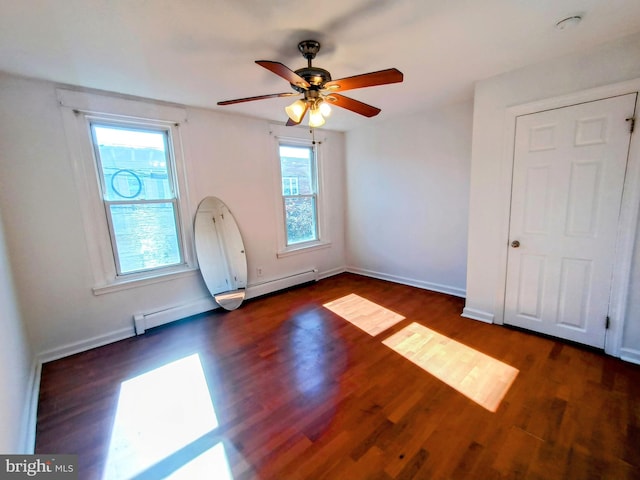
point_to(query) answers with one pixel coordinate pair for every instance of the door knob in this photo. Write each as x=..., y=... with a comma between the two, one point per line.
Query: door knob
x=515, y=244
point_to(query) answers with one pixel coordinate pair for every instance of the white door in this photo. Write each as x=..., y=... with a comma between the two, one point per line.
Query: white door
x=568, y=174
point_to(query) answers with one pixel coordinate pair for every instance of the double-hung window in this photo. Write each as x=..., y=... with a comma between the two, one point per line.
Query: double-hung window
x=298, y=169
x=135, y=168
x=130, y=173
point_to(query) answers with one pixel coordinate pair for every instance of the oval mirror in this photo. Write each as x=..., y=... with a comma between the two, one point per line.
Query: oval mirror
x=220, y=252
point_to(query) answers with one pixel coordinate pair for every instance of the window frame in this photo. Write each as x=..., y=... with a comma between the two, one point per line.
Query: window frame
x=79, y=110
x=313, y=174
x=174, y=199
x=299, y=138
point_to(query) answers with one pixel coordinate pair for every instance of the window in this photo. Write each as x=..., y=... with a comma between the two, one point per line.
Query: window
x=290, y=186
x=299, y=193
x=301, y=207
x=140, y=202
x=130, y=176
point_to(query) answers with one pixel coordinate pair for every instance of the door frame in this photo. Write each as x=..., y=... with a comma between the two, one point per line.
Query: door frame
x=627, y=222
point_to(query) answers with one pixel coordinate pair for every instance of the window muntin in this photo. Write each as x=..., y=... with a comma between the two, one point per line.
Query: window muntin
x=135, y=168
x=298, y=167
x=290, y=186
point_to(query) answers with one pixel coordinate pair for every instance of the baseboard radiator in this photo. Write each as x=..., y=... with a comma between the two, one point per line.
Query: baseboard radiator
x=269, y=286
x=144, y=321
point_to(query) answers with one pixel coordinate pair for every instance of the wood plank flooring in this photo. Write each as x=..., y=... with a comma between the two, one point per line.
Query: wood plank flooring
x=301, y=393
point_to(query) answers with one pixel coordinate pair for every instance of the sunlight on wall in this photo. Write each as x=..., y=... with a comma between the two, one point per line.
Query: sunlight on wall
x=479, y=377
x=364, y=314
x=162, y=414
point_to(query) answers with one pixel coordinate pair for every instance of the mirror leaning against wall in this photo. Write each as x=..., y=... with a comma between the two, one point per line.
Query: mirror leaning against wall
x=220, y=252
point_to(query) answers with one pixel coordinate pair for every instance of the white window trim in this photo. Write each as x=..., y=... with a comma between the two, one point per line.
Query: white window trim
x=299, y=136
x=78, y=108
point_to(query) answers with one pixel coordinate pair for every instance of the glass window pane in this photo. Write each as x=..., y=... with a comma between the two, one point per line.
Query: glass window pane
x=133, y=162
x=145, y=236
x=301, y=219
x=290, y=186
x=296, y=163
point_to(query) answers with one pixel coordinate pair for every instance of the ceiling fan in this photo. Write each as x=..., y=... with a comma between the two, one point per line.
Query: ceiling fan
x=319, y=90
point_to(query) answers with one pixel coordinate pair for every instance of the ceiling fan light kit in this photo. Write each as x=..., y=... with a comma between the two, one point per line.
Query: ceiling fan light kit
x=325, y=109
x=318, y=89
x=296, y=110
x=315, y=118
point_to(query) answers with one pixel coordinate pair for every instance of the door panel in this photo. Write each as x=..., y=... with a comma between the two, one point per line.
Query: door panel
x=537, y=199
x=568, y=174
x=584, y=198
x=531, y=286
x=575, y=292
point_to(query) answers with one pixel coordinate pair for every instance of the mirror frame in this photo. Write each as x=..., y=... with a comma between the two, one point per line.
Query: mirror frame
x=221, y=254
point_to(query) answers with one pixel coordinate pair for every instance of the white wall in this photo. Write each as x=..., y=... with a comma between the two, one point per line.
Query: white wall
x=237, y=163
x=15, y=364
x=607, y=64
x=407, y=198
x=227, y=156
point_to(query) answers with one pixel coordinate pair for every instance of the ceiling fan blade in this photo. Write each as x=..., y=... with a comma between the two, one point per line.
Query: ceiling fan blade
x=382, y=77
x=284, y=72
x=259, y=97
x=353, y=105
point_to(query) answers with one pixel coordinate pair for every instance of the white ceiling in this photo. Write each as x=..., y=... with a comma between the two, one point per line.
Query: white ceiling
x=198, y=52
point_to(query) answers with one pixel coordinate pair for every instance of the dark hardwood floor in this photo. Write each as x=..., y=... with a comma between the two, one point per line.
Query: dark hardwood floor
x=301, y=393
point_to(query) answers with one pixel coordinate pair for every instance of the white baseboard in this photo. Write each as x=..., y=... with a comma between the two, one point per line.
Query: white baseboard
x=630, y=355
x=144, y=321
x=84, y=345
x=479, y=315
x=30, y=412
x=434, y=287
x=331, y=273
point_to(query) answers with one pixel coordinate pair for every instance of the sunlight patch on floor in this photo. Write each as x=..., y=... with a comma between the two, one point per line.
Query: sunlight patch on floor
x=160, y=413
x=201, y=466
x=479, y=377
x=364, y=314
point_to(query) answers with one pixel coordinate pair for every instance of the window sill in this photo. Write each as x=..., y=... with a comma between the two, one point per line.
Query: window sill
x=302, y=248
x=126, y=284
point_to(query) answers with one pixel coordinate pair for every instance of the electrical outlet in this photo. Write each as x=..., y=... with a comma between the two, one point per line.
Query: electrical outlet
x=259, y=271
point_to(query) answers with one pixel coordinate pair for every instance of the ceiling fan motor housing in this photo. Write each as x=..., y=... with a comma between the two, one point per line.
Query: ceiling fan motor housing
x=315, y=76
